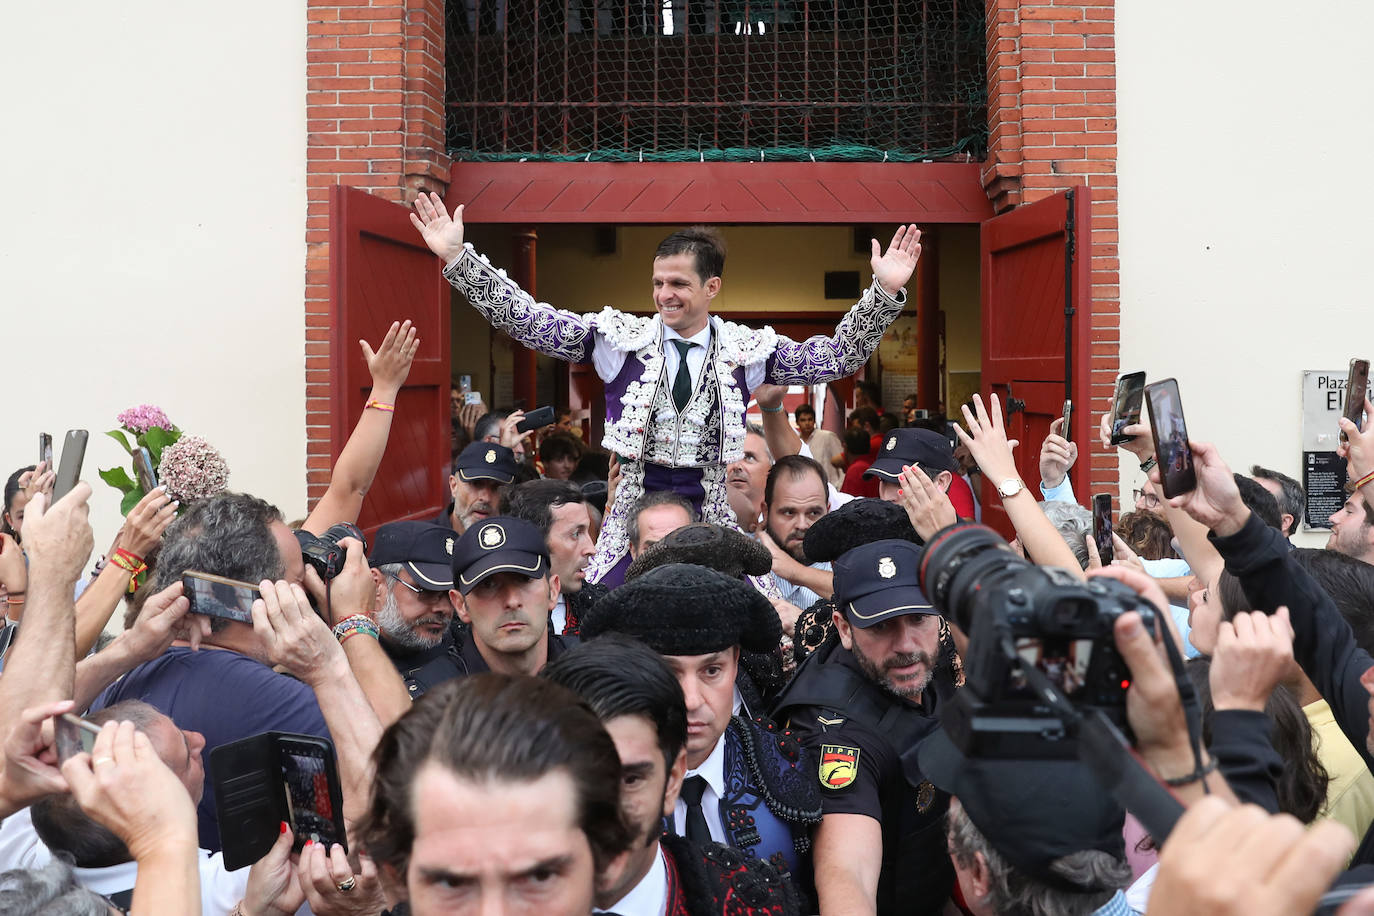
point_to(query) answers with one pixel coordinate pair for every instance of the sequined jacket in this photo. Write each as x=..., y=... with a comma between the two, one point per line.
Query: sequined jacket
x=642, y=423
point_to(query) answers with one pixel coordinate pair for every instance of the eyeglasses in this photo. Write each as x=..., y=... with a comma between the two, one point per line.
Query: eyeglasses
x=423, y=594
x=1151, y=501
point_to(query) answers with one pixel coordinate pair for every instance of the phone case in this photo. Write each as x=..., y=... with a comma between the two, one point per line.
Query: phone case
x=1170, y=432
x=1126, y=406
x=251, y=794
x=73, y=454
x=216, y=596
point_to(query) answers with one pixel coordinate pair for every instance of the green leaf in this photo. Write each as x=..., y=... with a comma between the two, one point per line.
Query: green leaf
x=118, y=436
x=157, y=439
x=120, y=480
x=126, y=505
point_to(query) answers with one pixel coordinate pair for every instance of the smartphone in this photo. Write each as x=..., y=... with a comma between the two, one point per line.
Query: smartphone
x=1102, y=527
x=1068, y=416
x=535, y=419
x=45, y=448
x=261, y=781
x=216, y=596
x=465, y=384
x=1356, y=386
x=472, y=397
x=73, y=735
x=143, y=470
x=73, y=454
x=1130, y=388
x=1171, y=438
x=7, y=633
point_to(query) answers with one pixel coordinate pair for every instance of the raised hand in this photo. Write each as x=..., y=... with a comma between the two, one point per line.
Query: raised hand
x=1216, y=500
x=510, y=436
x=443, y=235
x=1358, y=447
x=30, y=771
x=1057, y=455
x=926, y=505
x=1253, y=653
x=390, y=363
x=147, y=520
x=293, y=634
x=164, y=618
x=59, y=537
x=39, y=480
x=987, y=441
x=891, y=268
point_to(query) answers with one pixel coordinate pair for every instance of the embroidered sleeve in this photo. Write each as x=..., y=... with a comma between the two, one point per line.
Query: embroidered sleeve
x=825, y=359
x=537, y=325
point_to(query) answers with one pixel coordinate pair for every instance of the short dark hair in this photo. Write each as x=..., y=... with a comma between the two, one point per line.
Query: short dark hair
x=705, y=244
x=226, y=535
x=887, y=422
x=1259, y=501
x=535, y=500
x=870, y=390
x=1350, y=583
x=794, y=466
x=561, y=445
x=803, y=409
x=863, y=416
x=488, y=424
x=657, y=498
x=61, y=824
x=857, y=442
x=1292, y=499
x=617, y=675
x=494, y=727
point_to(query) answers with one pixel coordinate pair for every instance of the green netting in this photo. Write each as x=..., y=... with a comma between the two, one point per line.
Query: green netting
x=712, y=80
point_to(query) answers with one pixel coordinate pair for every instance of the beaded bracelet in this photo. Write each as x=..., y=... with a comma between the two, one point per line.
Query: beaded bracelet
x=1148, y=464
x=1364, y=480
x=380, y=405
x=777, y=409
x=358, y=623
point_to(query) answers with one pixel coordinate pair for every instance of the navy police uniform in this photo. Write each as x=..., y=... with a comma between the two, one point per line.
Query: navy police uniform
x=480, y=461
x=865, y=739
x=425, y=550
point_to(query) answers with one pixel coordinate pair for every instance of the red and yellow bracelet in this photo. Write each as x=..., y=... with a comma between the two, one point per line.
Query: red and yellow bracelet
x=380, y=405
x=132, y=564
x=1364, y=480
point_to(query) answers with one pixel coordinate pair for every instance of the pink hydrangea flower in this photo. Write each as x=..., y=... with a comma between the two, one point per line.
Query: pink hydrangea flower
x=138, y=420
x=192, y=468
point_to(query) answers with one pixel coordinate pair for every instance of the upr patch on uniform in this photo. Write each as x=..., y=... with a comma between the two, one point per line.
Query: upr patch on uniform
x=839, y=765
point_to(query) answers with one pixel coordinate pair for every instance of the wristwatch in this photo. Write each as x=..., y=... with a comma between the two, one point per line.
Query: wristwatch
x=1010, y=487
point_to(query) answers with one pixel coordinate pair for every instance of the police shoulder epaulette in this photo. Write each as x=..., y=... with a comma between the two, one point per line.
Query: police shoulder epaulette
x=777, y=763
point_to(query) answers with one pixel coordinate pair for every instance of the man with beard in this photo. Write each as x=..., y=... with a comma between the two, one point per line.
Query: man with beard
x=633, y=692
x=864, y=705
x=747, y=781
x=412, y=568
x=479, y=473
x=795, y=497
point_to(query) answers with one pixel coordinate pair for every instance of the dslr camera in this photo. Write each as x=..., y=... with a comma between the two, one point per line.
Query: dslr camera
x=324, y=552
x=1040, y=645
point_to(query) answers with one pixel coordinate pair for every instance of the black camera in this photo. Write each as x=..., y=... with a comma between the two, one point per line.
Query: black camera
x=324, y=552
x=1038, y=638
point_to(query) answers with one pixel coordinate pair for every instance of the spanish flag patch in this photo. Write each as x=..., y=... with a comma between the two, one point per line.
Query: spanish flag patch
x=839, y=766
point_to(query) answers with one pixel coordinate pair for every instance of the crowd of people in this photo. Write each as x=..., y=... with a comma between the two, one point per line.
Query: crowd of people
x=697, y=668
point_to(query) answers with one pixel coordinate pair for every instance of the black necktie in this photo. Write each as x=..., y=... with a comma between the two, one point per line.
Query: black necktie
x=682, y=382
x=693, y=787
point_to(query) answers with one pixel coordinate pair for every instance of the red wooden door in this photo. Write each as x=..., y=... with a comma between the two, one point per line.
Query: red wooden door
x=380, y=272
x=1036, y=312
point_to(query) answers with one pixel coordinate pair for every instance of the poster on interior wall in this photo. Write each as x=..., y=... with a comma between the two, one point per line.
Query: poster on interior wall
x=1323, y=472
x=897, y=349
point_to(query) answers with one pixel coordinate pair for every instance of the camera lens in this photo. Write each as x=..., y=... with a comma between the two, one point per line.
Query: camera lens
x=956, y=562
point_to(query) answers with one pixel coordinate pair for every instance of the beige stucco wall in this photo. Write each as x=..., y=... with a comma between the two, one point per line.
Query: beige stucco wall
x=1244, y=242
x=152, y=248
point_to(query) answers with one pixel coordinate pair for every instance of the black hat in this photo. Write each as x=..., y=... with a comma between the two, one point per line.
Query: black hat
x=485, y=461
x=723, y=549
x=857, y=522
x=1031, y=811
x=877, y=582
x=683, y=609
x=912, y=445
x=498, y=544
x=423, y=548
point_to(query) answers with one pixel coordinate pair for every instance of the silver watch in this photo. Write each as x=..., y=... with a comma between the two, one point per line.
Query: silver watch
x=1010, y=487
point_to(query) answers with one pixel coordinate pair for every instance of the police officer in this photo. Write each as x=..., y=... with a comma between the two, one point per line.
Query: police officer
x=412, y=568
x=863, y=702
x=479, y=473
x=929, y=450
x=504, y=589
x=747, y=782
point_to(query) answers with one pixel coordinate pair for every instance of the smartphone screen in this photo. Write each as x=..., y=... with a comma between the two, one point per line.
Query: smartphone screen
x=1171, y=438
x=1130, y=387
x=1356, y=386
x=73, y=454
x=73, y=735
x=311, y=788
x=535, y=419
x=45, y=448
x=1068, y=417
x=216, y=596
x=143, y=469
x=1102, y=527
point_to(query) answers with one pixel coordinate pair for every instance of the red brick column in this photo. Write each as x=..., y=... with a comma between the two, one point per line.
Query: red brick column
x=375, y=121
x=1052, y=125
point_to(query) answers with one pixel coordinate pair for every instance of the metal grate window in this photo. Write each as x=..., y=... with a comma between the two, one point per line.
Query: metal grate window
x=716, y=79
